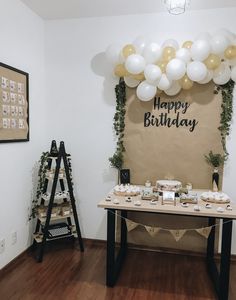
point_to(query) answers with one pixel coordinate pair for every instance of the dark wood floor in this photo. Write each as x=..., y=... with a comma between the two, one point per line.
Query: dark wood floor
x=67, y=274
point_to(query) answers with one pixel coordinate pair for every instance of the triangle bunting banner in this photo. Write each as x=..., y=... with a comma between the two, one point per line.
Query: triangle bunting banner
x=177, y=234
x=204, y=231
x=130, y=225
x=152, y=230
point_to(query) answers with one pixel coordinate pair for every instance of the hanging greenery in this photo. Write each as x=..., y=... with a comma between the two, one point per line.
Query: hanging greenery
x=70, y=170
x=119, y=125
x=227, y=111
x=43, y=167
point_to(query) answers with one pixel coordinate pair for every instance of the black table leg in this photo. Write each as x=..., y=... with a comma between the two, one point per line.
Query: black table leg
x=211, y=265
x=123, y=238
x=114, y=263
x=225, y=259
x=110, y=247
x=211, y=239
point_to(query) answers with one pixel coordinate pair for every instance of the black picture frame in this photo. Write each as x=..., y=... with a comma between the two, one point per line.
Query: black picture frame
x=11, y=134
x=124, y=176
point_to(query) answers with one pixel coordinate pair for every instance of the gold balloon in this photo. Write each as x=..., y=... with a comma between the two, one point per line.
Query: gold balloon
x=139, y=76
x=212, y=62
x=128, y=50
x=186, y=83
x=168, y=53
x=120, y=70
x=230, y=52
x=187, y=44
x=162, y=65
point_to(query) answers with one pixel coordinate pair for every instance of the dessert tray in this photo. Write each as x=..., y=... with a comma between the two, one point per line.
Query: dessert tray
x=188, y=198
x=215, y=197
x=127, y=190
x=168, y=185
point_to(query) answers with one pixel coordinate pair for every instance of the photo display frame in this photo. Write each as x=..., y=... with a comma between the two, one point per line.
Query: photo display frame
x=14, y=104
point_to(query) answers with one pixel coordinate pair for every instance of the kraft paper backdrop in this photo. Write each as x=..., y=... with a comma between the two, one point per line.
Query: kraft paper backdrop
x=159, y=152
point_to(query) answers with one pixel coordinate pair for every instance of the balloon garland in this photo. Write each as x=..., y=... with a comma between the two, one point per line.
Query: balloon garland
x=154, y=68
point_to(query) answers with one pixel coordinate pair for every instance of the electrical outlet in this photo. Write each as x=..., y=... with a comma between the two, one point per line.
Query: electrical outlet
x=14, y=238
x=2, y=246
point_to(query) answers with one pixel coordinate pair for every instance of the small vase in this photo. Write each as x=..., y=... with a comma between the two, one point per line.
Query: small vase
x=215, y=180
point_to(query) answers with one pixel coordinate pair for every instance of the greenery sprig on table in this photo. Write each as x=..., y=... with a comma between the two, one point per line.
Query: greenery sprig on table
x=227, y=111
x=119, y=125
x=43, y=167
x=215, y=160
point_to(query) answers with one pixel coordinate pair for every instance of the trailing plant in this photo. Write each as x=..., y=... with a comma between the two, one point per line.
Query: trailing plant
x=215, y=160
x=227, y=111
x=70, y=170
x=43, y=167
x=119, y=125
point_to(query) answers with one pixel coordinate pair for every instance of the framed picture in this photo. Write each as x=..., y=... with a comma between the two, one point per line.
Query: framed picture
x=124, y=176
x=14, y=104
x=168, y=198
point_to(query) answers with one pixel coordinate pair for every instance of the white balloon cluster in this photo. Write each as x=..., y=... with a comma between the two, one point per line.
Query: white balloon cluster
x=153, y=68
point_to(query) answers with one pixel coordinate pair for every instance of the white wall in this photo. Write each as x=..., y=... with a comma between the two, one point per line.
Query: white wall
x=80, y=94
x=79, y=106
x=22, y=46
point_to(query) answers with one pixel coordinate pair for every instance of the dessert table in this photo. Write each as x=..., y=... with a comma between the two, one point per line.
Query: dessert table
x=115, y=203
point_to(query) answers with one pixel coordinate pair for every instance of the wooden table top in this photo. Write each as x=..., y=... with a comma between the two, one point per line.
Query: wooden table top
x=146, y=206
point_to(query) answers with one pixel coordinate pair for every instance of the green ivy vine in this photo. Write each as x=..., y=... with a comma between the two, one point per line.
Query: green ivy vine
x=119, y=125
x=43, y=167
x=227, y=111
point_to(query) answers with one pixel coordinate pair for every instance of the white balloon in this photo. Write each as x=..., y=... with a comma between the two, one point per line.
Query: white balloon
x=164, y=83
x=152, y=53
x=175, y=69
x=135, y=64
x=146, y=91
x=131, y=82
x=152, y=73
x=208, y=77
x=222, y=74
x=174, y=89
x=171, y=43
x=200, y=50
x=140, y=43
x=203, y=36
x=113, y=54
x=184, y=55
x=227, y=33
x=196, y=71
x=219, y=43
x=233, y=73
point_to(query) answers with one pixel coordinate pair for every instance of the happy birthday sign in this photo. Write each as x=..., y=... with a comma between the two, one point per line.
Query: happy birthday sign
x=163, y=119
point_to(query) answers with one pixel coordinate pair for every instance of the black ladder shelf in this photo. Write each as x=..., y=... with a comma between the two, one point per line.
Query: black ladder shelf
x=44, y=229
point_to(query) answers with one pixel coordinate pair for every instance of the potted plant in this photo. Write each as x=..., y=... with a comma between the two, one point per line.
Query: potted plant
x=215, y=160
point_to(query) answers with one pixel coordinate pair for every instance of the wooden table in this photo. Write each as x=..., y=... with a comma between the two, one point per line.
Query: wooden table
x=220, y=279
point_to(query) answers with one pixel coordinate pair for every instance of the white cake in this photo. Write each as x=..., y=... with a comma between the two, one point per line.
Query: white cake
x=168, y=185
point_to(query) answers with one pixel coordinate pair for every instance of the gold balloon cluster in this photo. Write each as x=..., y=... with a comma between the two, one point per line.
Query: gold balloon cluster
x=212, y=62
